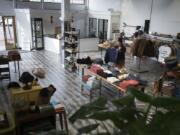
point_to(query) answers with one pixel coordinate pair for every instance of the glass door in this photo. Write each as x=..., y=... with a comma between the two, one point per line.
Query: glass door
x=37, y=34
x=9, y=29
x=92, y=27
x=102, y=29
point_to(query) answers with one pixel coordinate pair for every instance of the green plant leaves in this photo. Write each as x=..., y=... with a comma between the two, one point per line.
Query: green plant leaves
x=167, y=103
x=99, y=102
x=87, y=129
x=165, y=123
x=131, y=120
x=140, y=95
x=85, y=110
x=124, y=101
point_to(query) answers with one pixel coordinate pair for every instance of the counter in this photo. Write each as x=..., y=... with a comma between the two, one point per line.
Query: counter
x=52, y=44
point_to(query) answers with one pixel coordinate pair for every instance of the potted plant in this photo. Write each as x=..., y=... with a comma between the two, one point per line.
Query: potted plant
x=160, y=116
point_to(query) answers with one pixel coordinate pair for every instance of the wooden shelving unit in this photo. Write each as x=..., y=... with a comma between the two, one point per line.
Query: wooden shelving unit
x=4, y=69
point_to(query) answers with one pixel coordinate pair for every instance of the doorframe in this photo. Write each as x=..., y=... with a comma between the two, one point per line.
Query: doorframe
x=103, y=23
x=14, y=30
x=34, y=47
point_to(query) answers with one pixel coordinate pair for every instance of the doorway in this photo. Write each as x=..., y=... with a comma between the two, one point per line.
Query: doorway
x=92, y=27
x=9, y=31
x=37, y=34
x=102, y=29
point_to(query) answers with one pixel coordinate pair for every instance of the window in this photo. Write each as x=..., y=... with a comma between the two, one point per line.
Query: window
x=77, y=2
x=53, y=1
x=29, y=0
x=34, y=0
x=92, y=27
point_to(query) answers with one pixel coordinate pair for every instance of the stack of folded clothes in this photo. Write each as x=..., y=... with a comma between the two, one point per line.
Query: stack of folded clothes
x=104, y=73
x=112, y=79
x=95, y=67
x=126, y=83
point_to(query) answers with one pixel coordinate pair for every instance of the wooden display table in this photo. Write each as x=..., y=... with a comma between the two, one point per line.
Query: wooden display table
x=13, y=56
x=29, y=96
x=103, y=47
x=11, y=129
x=102, y=79
x=30, y=122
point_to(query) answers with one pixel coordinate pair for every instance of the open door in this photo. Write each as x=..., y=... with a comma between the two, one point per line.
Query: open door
x=9, y=28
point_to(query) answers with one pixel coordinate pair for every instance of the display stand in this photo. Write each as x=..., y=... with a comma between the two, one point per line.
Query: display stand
x=71, y=49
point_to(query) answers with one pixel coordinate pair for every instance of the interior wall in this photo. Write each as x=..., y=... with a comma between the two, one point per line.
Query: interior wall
x=6, y=8
x=166, y=16
x=23, y=23
x=102, y=9
x=80, y=14
x=104, y=5
x=48, y=27
x=134, y=12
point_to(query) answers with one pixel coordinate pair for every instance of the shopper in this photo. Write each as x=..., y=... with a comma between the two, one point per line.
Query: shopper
x=121, y=54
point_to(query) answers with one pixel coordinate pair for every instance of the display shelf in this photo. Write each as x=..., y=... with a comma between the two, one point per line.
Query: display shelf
x=4, y=69
x=71, y=49
x=72, y=32
x=76, y=42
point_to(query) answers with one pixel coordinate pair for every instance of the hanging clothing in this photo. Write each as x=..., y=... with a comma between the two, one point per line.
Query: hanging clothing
x=143, y=47
x=121, y=56
x=111, y=55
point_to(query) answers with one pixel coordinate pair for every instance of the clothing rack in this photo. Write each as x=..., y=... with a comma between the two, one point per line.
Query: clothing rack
x=139, y=68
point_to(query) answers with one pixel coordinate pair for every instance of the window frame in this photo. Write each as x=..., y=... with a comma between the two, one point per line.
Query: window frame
x=51, y=2
x=71, y=2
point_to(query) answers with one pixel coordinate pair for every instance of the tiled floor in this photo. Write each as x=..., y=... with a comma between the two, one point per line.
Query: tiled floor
x=68, y=84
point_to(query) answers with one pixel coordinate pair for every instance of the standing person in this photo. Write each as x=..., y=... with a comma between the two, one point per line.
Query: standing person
x=121, y=54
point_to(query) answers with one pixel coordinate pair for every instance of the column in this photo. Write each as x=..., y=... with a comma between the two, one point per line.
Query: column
x=65, y=16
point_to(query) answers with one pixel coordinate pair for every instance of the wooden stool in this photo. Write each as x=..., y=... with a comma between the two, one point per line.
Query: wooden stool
x=15, y=57
x=62, y=117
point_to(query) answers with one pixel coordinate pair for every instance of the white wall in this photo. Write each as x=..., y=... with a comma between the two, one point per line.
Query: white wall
x=38, y=5
x=89, y=44
x=23, y=23
x=48, y=27
x=80, y=14
x=104, y=9
x=6, y=8
x=104, y=5
x=80, y=20
x=52, y=45
x=166, y=16
x=135, y=12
